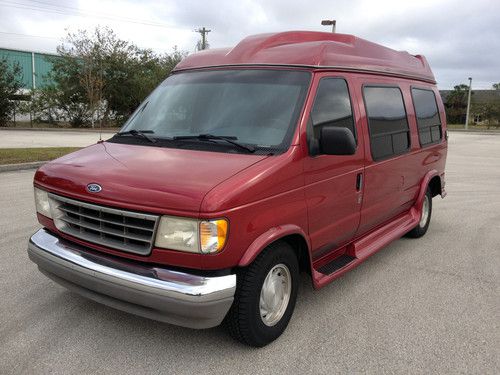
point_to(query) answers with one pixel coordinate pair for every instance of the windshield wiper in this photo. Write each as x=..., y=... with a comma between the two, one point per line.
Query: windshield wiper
x=229, y=139
x=138, y=133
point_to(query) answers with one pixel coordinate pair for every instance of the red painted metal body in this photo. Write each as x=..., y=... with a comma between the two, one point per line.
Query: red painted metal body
x=266, y=198
x=314, y=49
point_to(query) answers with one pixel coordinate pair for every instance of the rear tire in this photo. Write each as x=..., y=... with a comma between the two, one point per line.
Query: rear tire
x=425, y=218
x=265, y=296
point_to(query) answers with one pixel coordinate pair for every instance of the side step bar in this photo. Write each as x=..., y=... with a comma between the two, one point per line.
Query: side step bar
x=362, y=248
x=336, y=264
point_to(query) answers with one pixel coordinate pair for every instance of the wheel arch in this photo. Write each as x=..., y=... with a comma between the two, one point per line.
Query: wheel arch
x=425, y=183
x=435, y=186
x=291, y=234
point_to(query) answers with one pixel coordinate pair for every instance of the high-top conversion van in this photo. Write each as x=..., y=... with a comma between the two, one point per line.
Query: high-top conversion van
x=291, y=152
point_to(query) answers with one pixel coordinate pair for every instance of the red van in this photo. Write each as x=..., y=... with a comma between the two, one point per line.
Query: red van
x=291, y=152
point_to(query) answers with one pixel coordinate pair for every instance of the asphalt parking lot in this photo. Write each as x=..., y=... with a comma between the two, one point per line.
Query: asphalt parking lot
x=430, y=305
x=38, y=138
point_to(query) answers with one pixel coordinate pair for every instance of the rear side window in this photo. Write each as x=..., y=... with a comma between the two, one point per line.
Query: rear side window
x=426, y=111
x=332, y=107
x=388, y=125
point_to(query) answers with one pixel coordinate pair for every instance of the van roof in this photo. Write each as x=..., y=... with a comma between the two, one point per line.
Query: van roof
x=314, y=50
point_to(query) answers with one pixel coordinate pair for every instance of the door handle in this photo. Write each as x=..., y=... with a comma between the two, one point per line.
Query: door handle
x=359, y=181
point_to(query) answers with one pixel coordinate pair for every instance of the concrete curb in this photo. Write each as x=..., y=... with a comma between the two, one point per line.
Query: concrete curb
x=69, y=130
x=21, y=166
x=475, y=131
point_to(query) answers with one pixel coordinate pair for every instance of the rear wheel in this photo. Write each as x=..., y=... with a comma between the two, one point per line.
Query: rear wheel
x=425, y=217
x=265, y=296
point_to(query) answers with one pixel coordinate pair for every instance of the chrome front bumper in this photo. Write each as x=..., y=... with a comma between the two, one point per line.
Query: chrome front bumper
x=157, y=293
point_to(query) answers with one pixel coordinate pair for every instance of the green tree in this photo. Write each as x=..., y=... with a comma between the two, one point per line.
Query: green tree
x=456, y=104
x=496, y=86
x=91, y=54
x=9, y=86
x=130, y=78
x=50, y=104
x=66, y=95
x=489, y=112
x=41, y=106
x=106, y=76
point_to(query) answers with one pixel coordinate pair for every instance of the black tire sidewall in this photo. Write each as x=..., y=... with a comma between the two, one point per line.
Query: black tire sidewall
x=288, y=258
x=253, y=330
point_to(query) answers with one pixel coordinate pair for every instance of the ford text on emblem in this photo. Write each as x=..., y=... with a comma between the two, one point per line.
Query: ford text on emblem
x=94, y=188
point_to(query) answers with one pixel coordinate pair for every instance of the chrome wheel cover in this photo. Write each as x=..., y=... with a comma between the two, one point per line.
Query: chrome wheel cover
x=425, y=212
x=275, y=294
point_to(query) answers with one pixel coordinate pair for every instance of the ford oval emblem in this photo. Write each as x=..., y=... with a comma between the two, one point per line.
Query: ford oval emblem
x=94, y=188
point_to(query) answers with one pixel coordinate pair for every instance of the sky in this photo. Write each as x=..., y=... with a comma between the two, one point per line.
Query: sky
x=460, y=39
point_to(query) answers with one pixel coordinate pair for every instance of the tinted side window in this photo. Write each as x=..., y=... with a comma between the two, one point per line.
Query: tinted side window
x=332, y=107
x=389, y=131
x=428, y=121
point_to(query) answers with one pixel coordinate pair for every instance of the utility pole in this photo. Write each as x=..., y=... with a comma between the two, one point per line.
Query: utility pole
x=332, y=23
x=203, y=31
x=468, y=105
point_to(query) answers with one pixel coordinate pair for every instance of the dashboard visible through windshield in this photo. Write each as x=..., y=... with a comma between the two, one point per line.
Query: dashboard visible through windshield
x=238, y=110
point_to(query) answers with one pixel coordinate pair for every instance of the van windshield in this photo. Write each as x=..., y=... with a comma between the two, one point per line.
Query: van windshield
x=255, y=108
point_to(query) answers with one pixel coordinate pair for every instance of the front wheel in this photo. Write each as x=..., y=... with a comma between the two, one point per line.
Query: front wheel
x=265, y=296
x=425, y=217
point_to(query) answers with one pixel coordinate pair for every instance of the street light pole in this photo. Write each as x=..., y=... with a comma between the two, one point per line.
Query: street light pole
x=468, y=105
x=331, y=23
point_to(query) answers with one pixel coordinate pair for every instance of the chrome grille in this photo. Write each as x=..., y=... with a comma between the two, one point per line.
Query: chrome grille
x=129, y=231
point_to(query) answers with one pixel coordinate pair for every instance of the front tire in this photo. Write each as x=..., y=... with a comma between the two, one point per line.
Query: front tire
x=266, y=293
x=425, y=217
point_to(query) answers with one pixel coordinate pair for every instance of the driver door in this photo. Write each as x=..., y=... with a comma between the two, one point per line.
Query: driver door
x=333, y=183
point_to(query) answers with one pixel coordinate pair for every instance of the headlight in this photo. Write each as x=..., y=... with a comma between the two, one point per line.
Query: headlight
x=42, y=203
x=178, y=234
x=191, y=235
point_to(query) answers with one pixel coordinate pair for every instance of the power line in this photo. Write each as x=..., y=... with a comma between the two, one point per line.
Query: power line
x=78, y=10
x=78, y=13
x=30, y=36
x=59, y=39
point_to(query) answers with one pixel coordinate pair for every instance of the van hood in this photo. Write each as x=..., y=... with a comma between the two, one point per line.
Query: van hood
x=147, y=178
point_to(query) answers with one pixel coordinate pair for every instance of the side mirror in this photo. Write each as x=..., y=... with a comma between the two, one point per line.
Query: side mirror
x=337, y=141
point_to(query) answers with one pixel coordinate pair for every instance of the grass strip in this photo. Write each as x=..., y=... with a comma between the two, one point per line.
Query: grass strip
x=26, y=155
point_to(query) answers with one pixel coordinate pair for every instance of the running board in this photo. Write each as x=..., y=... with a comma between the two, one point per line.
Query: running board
x=359, y=250
x=336, y=264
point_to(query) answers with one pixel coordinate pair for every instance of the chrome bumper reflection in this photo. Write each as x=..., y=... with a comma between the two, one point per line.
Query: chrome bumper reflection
x=154, y=292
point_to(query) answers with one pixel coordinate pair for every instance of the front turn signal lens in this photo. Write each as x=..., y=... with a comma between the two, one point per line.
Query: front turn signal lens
x=213, y=235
